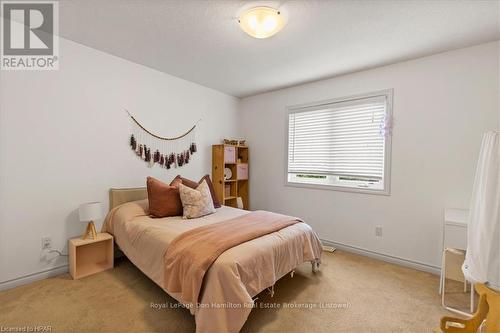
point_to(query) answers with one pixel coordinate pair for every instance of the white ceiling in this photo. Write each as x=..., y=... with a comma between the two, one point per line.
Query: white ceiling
x=200, y=41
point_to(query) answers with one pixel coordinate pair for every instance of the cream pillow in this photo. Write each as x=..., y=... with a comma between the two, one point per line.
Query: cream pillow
x=196, y=202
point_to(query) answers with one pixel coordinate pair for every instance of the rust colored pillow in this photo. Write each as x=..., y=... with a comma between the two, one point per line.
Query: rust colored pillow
x=192, y=184
x=164, y=200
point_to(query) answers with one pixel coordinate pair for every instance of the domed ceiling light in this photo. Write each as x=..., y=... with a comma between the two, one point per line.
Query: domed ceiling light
x=261, y=22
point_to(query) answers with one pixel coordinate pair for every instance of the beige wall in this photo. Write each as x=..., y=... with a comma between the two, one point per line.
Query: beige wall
x=64, y=141
x=442, y=105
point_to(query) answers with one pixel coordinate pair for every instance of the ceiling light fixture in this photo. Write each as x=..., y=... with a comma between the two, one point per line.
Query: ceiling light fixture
x=261, y=22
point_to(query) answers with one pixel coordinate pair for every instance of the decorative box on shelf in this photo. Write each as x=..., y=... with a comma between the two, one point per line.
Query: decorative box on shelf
x=242, y=171
x=229, y=154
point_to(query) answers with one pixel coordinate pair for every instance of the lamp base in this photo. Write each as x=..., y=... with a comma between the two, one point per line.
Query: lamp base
x=90, y=232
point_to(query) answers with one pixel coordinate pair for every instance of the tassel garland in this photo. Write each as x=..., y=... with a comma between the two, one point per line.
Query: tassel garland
x=165, y=152
x=163, y=160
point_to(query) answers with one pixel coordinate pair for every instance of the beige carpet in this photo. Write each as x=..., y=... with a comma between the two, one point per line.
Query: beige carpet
x=381, y=297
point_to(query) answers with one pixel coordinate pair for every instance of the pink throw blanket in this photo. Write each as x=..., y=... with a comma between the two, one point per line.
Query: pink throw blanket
x=191, y=254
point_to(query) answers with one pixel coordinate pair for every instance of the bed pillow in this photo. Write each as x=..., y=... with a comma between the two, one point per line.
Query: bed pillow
x=192, y=184
x=164, y=200
x=196, y=202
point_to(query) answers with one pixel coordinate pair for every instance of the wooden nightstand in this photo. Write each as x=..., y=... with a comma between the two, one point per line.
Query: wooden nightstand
x=90, y=256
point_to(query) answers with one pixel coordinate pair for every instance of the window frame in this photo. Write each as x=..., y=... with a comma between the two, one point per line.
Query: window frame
x=386, y=190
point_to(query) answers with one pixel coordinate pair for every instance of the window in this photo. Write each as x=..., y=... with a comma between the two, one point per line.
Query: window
x=342, y=144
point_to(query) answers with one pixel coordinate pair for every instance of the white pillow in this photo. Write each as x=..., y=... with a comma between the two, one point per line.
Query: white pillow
x=196, y=202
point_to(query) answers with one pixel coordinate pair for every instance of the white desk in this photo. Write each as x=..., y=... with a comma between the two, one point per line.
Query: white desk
x=455, y=228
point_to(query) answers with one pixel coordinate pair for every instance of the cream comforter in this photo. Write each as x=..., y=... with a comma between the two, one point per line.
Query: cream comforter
x=236, y=276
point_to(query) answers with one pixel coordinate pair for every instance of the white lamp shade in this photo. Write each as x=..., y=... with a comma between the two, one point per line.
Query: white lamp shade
x=90, y=211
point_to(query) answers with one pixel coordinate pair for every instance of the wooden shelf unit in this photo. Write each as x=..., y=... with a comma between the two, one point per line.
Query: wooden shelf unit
x=90, y=256
x=238, y=187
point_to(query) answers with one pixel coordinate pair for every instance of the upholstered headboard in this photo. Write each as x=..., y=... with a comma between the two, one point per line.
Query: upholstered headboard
x=118, y=196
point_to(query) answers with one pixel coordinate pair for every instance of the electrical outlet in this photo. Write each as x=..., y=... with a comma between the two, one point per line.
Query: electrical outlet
x=378, y=231
x=46, y=243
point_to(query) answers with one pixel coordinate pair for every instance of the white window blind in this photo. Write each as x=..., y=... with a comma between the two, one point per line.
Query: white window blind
x=340, y=139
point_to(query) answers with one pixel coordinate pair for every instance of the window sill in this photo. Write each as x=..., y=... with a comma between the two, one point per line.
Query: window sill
x=385, y=192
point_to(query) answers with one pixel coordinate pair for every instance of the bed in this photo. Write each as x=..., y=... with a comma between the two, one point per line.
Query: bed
x=234, y=278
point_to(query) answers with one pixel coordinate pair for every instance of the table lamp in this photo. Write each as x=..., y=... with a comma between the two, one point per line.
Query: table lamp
x=89, y=212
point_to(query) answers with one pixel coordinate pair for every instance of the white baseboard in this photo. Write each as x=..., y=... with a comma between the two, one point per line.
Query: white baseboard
x=385, y=257
x=4, y=285
x=348, y=248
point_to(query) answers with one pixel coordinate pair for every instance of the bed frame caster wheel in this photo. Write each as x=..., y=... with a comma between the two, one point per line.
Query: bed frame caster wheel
x=315, y=265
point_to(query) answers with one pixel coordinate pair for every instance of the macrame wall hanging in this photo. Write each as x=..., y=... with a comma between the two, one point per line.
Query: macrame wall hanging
x=166, y=152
